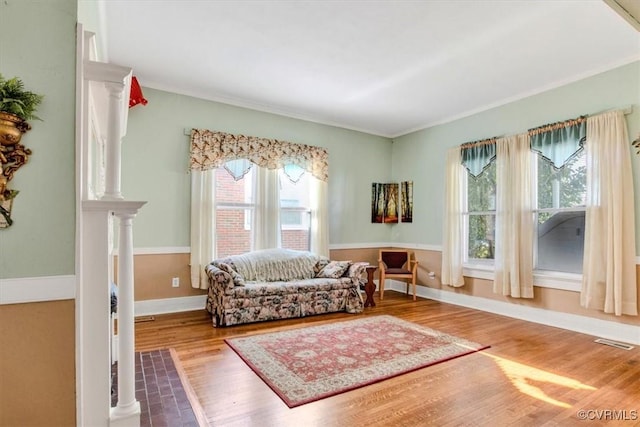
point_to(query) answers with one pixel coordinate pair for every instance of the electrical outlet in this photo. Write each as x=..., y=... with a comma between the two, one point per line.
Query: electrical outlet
x=175, y=282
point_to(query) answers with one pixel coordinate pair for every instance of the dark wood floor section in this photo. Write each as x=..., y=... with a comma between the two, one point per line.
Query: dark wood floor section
x=532, y=375
x=163, y=399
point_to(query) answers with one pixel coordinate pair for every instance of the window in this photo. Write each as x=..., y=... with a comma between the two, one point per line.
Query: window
x=235, y=206
x=481, y=213
x=295, y=210
x=560, y=214
x=233, y=209
x=558, y=207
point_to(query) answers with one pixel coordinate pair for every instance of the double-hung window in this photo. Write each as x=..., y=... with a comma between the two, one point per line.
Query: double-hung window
x=295, y=208
x=480, y=203
x=560, y=173
x=560, y=214
x=235, y=206
x=559, y=191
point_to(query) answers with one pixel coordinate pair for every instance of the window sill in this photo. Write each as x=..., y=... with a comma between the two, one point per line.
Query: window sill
x=542, y=279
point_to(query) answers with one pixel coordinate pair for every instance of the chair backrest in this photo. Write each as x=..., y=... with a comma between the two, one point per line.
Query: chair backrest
x=394, y=259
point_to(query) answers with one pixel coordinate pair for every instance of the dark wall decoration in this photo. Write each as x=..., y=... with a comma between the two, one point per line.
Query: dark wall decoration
x=384, y=203
x=406, y=201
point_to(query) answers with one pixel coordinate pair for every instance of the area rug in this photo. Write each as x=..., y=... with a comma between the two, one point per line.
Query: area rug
x=311, y=363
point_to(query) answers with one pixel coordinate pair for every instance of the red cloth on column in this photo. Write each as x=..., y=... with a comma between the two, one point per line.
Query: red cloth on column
x=136, y=97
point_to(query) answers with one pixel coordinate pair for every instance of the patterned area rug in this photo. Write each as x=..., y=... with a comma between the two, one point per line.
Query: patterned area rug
x=311, y=363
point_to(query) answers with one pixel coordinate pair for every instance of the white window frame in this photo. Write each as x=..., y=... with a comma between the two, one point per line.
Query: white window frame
x=305, y=215
x=249, y=208
x=481, y=263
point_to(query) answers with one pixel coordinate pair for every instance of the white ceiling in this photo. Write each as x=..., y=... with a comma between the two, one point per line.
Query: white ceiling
x=383, y=67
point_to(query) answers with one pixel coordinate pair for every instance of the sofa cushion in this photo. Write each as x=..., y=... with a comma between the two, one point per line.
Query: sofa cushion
x=298, y=287
x=322, y=262
x=334, y=269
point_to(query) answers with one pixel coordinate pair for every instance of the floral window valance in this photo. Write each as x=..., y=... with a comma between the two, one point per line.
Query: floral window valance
x=212, y=149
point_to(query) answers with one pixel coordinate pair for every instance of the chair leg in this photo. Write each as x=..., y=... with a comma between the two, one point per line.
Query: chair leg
x=414, y=290
x=381, y=284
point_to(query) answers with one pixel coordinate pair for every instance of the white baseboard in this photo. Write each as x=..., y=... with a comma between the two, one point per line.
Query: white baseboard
x=37, y=289
x=573, y=322
x=169, y=305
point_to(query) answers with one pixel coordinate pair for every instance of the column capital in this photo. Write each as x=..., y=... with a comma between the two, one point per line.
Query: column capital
x=127, y=209
x=116, y=89
x=118, y=207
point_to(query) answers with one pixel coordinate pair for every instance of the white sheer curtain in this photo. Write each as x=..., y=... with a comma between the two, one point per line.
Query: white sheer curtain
x=514, y=218
x=609, y=270
x=203, y=225
x=319, y=217
x=266, y=218
x=453, y=234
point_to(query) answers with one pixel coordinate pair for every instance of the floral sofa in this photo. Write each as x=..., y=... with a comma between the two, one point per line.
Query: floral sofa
x=280, y=284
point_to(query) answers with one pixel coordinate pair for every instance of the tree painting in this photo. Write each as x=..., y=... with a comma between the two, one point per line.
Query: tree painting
x=406, y=197
x=384, y=203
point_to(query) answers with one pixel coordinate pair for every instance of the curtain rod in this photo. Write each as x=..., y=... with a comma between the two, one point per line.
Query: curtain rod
x=551, y=126
x=555, y=126
x=480, y=142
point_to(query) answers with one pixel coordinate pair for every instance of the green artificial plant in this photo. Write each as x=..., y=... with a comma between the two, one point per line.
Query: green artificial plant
x=14, y=99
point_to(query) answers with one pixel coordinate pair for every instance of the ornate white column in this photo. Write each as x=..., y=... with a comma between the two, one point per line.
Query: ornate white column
x=114, y=143
x=102, y=90
x=127, y=410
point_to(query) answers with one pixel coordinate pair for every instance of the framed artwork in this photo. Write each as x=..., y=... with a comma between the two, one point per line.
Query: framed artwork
x=384, y=203
x=406, y=201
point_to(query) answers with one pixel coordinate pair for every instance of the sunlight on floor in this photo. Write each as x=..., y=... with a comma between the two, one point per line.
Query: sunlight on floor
x=523, y=377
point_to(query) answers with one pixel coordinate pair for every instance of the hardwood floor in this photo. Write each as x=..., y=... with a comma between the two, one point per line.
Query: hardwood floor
x=532, y=375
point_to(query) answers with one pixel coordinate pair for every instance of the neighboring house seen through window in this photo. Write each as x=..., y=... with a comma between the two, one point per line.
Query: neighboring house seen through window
x=560, y=214
x=235, y=205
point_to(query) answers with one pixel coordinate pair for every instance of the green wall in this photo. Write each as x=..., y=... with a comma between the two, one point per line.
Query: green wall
x=156, y=153
x=155, y=156
x=37, y=44
x=420, y=156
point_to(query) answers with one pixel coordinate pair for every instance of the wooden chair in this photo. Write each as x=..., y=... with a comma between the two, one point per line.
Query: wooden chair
x=397, y=264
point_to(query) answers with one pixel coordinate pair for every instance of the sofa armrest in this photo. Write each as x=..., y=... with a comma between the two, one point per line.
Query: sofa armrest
x=218, y=279
x=356, y=270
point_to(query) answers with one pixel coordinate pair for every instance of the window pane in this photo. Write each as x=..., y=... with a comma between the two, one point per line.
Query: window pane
x=297, y=238
x=562, y=188
x=232, y=236
x=228, y=190
x=295, y=223
x=481, y=190
x=290, y=217
x=561, y=241
x=482, y=233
